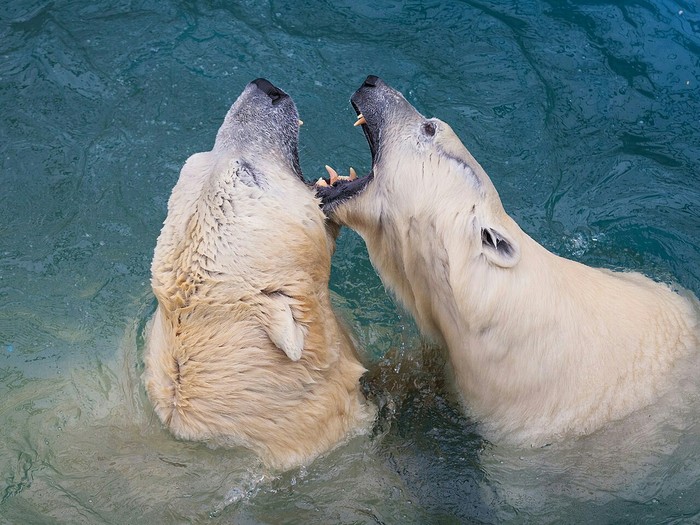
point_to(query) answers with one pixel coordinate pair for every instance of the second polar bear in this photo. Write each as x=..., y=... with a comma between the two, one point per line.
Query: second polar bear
x=541, y=346
x=244, y=348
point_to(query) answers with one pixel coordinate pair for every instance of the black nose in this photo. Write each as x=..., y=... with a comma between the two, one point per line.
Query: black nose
x=371, y=81
x=270, y=90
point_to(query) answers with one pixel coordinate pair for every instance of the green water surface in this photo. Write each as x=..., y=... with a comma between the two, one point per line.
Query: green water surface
x=585, y=114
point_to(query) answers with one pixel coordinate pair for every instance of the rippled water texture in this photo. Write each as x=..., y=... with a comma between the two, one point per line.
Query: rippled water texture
x=585, y=114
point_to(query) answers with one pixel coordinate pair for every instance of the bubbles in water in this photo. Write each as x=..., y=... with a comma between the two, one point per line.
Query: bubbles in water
x=243, y=492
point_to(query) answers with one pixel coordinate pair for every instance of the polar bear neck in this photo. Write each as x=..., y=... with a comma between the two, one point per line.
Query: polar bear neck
x=218, y=235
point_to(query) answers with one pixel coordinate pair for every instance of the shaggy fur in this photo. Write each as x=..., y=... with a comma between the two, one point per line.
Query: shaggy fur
x=541, y=346
x=244, y=348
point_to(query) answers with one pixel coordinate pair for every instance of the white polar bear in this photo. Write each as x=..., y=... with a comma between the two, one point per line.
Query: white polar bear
x=542, y=347
x=244, y=348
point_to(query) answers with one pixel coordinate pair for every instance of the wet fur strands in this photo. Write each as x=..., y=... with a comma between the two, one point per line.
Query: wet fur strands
x=244, y=348
x=542, y=347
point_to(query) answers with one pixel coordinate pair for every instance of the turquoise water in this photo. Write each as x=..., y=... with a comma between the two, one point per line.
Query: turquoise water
x=585, y=114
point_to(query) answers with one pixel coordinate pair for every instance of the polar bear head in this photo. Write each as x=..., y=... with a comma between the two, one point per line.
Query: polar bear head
x=425, y=197
x=243, y=228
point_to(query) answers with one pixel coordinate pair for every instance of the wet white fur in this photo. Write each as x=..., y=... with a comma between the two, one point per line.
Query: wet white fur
x=542, y=347
x=244, y=348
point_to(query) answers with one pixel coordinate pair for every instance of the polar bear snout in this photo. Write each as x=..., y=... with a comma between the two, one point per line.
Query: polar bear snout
x=371, y=81
x=381, y=111
x=376, y=104
x=276, y=95
x=263, y=123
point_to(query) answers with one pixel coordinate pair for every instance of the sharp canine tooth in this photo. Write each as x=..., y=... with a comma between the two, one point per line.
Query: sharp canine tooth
x=353, y=174
x=321, y=182
x=360, y=120
x=301, y=122
x=333, y=174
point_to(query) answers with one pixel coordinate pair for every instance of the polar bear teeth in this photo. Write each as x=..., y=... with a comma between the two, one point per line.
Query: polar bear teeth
x=334, y=177
x=360, y=120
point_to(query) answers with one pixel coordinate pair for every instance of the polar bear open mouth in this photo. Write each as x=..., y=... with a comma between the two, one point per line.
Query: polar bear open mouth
x=336, y=189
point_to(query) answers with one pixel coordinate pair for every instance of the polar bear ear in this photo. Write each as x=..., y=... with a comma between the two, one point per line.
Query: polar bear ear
x=281, y=327
x=498, y=248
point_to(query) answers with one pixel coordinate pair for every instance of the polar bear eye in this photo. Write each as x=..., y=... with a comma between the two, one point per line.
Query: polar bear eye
x=428, y=128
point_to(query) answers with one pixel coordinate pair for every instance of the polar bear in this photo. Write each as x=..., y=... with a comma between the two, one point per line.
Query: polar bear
x=541, y=347
x=244, y=348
